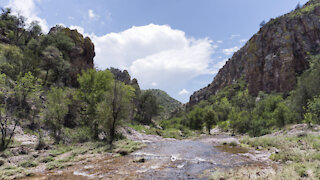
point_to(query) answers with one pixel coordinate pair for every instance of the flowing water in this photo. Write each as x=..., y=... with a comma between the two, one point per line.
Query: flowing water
x=172, y=159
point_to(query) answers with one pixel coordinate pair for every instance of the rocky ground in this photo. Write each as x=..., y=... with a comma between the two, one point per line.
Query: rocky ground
x=141, y=156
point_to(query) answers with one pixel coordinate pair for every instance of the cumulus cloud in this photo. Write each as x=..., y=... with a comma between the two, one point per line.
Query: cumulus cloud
x=27, y=8
x=183, y=92
x=230, y=50
x=92, y=15
x=219, y=41
x=155, y=53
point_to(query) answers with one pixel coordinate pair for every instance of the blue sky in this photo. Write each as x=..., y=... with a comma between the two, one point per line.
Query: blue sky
x=174, y=45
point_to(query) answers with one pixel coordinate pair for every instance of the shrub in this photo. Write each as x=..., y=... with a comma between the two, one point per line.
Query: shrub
x=29, y=163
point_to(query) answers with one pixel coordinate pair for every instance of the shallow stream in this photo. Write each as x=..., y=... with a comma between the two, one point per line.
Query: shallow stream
x=172, y=159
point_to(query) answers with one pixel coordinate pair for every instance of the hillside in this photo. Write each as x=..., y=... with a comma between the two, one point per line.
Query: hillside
x=271, y=60
x=169, y=104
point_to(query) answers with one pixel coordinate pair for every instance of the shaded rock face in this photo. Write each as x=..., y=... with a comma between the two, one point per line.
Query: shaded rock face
x=271, y=60
x=124, y=77
x=82, y=54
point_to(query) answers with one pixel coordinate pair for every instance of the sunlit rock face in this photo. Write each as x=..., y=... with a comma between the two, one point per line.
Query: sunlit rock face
x=271, y=60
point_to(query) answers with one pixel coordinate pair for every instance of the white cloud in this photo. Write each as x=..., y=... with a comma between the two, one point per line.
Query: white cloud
x=219, y=41
x=27, y=8
x=155, y=53
x=92, y=15
x=78, y=28
x=154, y=84
x=230, y=50
x=183, y=92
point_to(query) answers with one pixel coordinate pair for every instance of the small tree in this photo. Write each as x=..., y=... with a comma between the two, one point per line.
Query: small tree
x=210, y=118
x=262, y=23
x=147, y=107
x=57, y=107
x=313, y=111
x=195, y=118
x=27, y=87
x=6, y=118
x=298, y=6
x=115, y=107
x=52, y=59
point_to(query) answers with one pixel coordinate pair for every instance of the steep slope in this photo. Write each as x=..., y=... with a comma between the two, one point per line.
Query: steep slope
x=169, y=104
x=272, y=58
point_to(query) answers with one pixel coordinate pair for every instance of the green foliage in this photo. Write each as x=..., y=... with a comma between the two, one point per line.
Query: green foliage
x=168, y=104
x=29, y=163
x=304, y=10
x=313, y=111
x=210, y=118
x=79, y=134
x=57, y=107
x=195, y=118
x=47, y=159
x=239, y=121
x=126, y=146
x=148, y=107
x=93, y=87
x=115, y=107
x=175, y=122
x=307, y=88
x=11, y=60
x=53, y=60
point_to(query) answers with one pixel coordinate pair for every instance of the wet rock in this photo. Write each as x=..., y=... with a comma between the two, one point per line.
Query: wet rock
x=2, y=162
x=23, y=150
x=139, y=160
x=35, y=155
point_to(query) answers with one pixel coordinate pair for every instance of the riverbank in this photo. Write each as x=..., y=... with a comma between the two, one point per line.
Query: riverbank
x=291, y=153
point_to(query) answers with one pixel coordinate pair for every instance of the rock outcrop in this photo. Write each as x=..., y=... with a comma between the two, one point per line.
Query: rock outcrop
x=271, y=60
x=81, y=55
x=124, y=77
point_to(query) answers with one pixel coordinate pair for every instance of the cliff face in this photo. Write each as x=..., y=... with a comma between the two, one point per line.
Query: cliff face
x=272, y=58
x=81, y=55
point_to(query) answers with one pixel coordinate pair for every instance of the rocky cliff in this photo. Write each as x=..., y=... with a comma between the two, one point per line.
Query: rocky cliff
x=81, y=55
x=271, y=60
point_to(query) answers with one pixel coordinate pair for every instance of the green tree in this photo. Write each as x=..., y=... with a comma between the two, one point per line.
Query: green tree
x=26, y=87
x=93, y=87
x=56, y=109
x=7, y=118
x=147, y=107
x=210, y=118
x=53, y=60
x=239, y=121
x=195, y=118
x=308, y=86
x=115, y=107
x=313, y=111
x=11, y=60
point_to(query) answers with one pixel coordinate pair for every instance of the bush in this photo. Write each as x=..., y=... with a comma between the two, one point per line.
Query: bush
x=80, y=135
x=172, y=133
x=29, y=163
x=47, y=159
